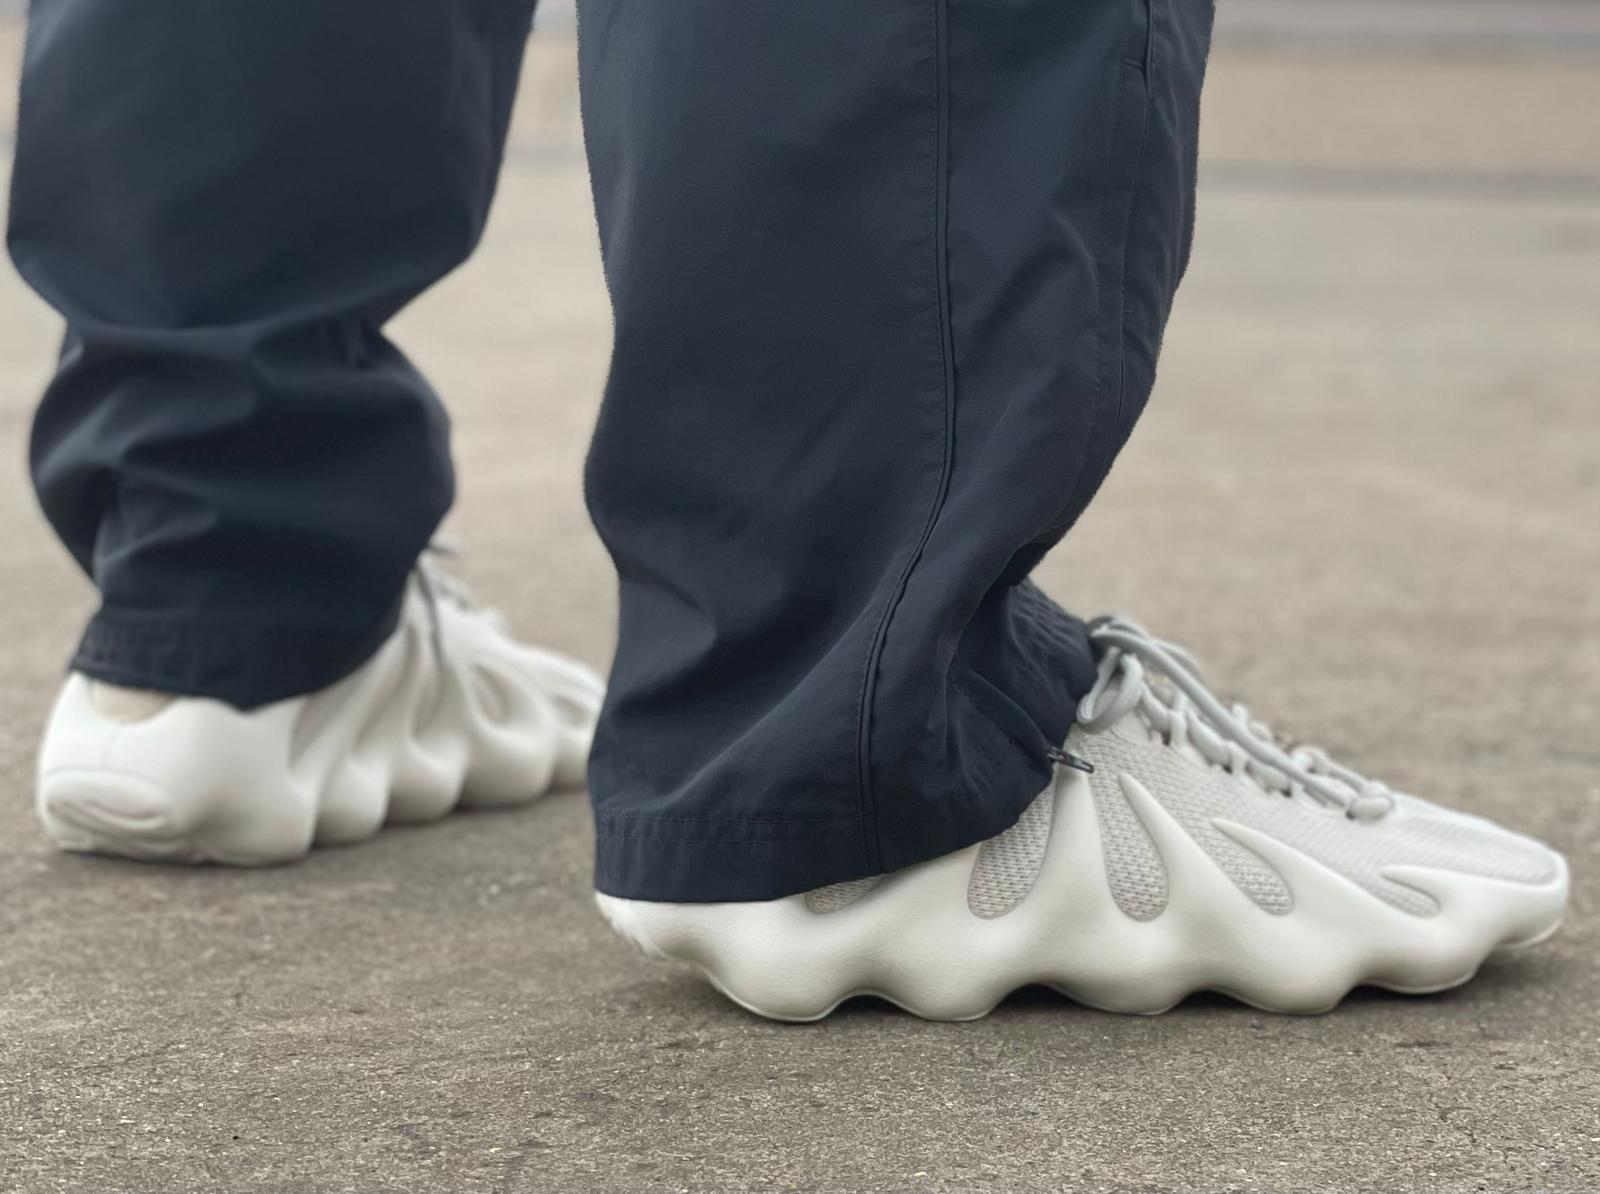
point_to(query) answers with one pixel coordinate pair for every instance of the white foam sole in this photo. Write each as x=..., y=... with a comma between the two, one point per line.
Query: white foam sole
x=400, y=740
x=913, y=941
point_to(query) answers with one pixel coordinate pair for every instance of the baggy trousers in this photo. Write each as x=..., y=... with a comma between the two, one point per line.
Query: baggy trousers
x=889, y=281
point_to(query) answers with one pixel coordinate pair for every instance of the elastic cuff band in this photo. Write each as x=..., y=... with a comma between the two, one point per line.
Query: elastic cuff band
x=649, y=858
x=246, y=664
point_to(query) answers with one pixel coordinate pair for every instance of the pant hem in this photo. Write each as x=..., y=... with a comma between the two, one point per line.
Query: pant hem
x=1005, y=724
x=647, y=858
x=245, y=663
x=671, y=861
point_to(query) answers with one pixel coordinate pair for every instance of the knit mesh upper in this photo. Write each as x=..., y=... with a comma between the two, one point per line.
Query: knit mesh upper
x=1008, y=864
x=1197, y=796
x=1415, y=833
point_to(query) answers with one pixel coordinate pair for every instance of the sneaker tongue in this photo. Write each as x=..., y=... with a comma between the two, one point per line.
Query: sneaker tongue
x=1135, y=728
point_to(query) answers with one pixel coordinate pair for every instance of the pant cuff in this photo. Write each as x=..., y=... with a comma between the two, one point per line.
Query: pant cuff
x=658, y=858
x=246, y=664
x=1009, y=726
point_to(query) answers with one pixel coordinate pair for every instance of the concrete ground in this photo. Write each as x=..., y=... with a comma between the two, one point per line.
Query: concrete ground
x=1367, y=492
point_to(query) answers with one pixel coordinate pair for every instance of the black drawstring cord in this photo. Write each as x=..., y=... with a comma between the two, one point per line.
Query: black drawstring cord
x=1065, y=758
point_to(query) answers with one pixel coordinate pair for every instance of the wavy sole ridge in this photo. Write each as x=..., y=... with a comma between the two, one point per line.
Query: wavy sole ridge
x=913, y=941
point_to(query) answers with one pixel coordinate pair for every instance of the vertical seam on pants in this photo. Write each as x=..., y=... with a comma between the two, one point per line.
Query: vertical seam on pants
x=1088, y=468
x=1135, y=181
x=939, y=203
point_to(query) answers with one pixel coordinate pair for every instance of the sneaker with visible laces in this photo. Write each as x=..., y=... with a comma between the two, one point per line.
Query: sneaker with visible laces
x=450, y=711
x=1181, y=847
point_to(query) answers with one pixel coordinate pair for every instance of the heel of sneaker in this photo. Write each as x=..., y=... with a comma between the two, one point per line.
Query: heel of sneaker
x=192, y=782
x=760, y=955
x=624, y=920
x=96, y=811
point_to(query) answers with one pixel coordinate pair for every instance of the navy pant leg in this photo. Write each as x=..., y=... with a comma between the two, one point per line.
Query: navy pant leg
x=889, y=280
x=227, y=200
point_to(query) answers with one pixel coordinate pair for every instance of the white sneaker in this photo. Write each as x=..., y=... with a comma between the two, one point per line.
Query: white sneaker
x=1179, y=848
x=450, y=711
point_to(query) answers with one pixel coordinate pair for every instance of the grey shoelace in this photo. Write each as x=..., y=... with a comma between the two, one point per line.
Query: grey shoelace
x=1161, y=680
x=437, y=585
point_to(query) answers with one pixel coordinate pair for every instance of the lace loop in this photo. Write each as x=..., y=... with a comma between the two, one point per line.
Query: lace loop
x=1162, y=681
x=436, y=586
